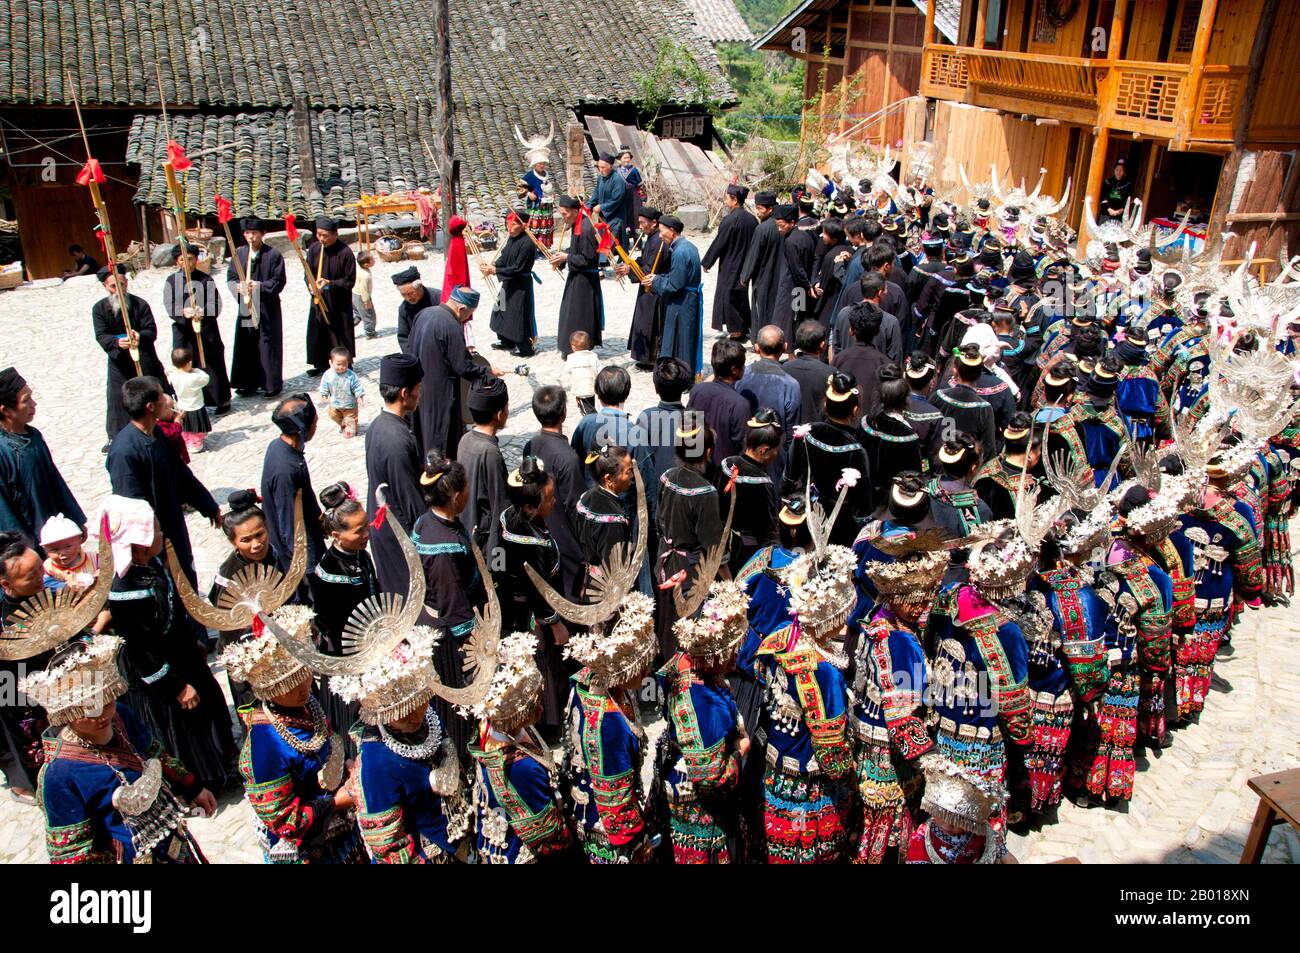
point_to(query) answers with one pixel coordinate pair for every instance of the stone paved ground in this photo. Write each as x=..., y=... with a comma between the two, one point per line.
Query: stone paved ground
x=1191, y=805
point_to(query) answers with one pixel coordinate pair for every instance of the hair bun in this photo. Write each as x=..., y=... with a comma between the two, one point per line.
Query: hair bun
x=890, y=372
x=334, y=495
x=242, y=500
x=532, y=470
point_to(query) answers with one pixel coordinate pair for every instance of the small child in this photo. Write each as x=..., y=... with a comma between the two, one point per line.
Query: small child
x=68, y=563
x=188, y=382
x=582, y=364
x=363, y=305
x=170, y=425
x=342, y=388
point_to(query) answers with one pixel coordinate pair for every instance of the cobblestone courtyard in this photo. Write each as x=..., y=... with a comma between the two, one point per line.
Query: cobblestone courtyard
x=1191, y=802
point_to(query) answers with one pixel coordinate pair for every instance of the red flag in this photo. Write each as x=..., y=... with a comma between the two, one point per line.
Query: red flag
x=380, y=515
x=91, y=172
x=177, y=157
x=290, y=227
x=224, y=213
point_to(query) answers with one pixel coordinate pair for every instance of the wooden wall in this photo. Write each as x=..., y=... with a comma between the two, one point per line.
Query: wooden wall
x=54, y=212
x=1266, y=183
x=882, y=60
x=981, y=138
x=1276, y=117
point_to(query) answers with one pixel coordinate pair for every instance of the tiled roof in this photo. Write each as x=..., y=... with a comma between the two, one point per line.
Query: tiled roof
x=358, y=53
x=947, y=16
x=720, y=21
x=366, y=68
x=355, y=151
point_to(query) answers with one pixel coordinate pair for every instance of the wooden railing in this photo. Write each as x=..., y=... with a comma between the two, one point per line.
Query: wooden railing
x=1217, y=99
x=945, y=73
x=1156, y=99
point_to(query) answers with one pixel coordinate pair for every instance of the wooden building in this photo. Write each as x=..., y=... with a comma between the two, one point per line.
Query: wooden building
x=295, y=106
x=863, y=61
x=1198, y=96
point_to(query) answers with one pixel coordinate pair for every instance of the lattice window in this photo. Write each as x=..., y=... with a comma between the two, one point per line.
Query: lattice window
x=1187, y=26
x=1152, y=96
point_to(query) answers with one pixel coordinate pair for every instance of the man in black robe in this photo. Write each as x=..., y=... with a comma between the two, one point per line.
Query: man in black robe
x=198, y=297
x=730, y=248
x=259, y=335
x=336, y=275
x=110, y=332
x=726, y=411
x=794, y=297
x=438, y=342
x=480, y=454
x=393, y=458
x=513, y=317
x=648, y=312
x=762, y=261
x=284, y=473
x=415, y=298
x=31, y=488
x=143, y=465
x=834, y=250
x=550, y=405
x=582, y=308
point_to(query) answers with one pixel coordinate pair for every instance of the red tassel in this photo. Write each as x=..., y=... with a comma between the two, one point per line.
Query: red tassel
x=224, y=213
x=290, y=227
x=91, y=172
x=103, y=242
x=259, y=627
x=380, y=516
x=735, y=472
x=177, y=157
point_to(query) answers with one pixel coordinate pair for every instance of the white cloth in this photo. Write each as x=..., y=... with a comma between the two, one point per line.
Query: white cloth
x=581, y=368
x=130, y=523
x=189, y=388
x=991, y=351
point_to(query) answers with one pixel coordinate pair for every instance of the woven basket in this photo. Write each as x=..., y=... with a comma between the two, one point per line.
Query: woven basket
x=11, y=277
x=198, y=235
x=414, y=250
x=388, y=248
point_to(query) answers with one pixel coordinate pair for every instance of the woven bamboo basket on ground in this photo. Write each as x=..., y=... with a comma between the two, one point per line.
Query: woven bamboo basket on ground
x=414, y=250
x=388, y=248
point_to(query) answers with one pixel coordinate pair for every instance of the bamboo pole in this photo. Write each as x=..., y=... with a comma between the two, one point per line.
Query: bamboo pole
x=239, y=267
x=178, y=213
x=106, y=232
x=477, y=251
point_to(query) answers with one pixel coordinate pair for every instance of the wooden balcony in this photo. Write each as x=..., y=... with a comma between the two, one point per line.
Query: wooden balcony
x=1150, y=99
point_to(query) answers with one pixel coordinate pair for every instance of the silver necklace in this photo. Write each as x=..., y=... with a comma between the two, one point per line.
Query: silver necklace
x=421, y=752
x=320, y=728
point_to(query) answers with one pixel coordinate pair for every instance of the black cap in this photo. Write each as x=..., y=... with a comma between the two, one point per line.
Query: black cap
x=738, y=192
x=567, y=201
x=767, y=199
x=406, y=276
x=673, y=222
x=326, y=224
x=1022, y=267
x=252, y=224
x=105, y=271
x=11, y=384
x=650, y=213
x=786, y=213
x=488, y=395
x=400, y=370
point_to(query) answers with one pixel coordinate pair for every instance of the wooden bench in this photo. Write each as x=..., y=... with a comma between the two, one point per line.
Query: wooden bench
x=1279, y=800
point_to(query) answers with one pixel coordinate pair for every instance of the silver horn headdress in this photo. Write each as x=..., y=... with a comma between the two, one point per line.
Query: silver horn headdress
x=382, y=622
x=617, y=578
x=260, y=587
x=48, y=619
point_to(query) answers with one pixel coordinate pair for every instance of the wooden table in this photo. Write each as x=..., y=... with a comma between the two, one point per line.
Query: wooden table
x=1279, y=800
x=389, y=205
